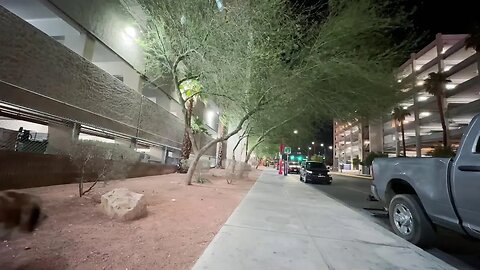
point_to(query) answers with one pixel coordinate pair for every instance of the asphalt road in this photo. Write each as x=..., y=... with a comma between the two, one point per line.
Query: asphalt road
x=451, y=247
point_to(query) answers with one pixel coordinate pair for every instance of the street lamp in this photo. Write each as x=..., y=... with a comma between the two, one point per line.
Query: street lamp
x=330, y=147
x=321, y=144
x=295, y=131
x=298, y=148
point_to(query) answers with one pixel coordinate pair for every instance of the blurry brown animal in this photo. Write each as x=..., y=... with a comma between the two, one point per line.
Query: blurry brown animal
x=19, y=212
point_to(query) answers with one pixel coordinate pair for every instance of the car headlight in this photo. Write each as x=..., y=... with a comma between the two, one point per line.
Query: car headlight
x=309, y=172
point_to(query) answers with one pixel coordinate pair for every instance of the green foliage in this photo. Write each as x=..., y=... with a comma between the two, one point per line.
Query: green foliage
x=435, y=83
x=191, y=89
x=256, y=57
x=318, y=158
x=199, y=127
x=442, y=152
x=371, y=156
x=399, y=114
x=356, y=161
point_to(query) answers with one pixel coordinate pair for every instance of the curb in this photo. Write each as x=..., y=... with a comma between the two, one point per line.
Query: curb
x=352, y=175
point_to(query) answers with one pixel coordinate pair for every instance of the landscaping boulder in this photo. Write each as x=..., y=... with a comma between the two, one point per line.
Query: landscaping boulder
x=124, y=204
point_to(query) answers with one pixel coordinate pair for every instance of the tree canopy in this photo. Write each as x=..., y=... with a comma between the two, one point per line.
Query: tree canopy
x=255, y=58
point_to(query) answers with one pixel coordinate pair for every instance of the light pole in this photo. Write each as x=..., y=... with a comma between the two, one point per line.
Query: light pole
x=313, y=143
x=309, y=148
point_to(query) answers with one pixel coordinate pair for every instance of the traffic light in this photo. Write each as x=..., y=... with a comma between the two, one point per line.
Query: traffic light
x=292, y=157
x=300, y=158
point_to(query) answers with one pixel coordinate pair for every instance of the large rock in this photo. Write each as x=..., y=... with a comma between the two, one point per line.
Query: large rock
x=124, y=204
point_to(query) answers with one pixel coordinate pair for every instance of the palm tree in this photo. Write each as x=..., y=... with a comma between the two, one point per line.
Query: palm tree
x=473, y=40
x=399, y=114
x=435, y=85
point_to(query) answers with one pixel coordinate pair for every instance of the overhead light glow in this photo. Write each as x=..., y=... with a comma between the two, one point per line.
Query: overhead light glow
x=420, y=83
x=131, y=32
x=450, y=86
x=422, y=98
x=405, y=107
x=425, y=114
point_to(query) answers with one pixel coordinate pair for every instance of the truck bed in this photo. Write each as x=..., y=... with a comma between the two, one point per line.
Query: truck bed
x=429, y=178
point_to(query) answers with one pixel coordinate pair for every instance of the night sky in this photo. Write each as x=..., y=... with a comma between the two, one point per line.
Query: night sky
x=429, y=18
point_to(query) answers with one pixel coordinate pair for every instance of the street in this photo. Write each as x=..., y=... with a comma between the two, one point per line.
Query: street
x=451, y=247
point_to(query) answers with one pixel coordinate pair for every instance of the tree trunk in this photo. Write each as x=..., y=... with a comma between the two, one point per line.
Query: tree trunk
x=250, y=151
x=198, y=155
x=234, y=159
x=403, y=139
x=262, y=137
x=187, y=143
x=222, y=131
x=442, y=120
x=397, y=140
x=201, y=151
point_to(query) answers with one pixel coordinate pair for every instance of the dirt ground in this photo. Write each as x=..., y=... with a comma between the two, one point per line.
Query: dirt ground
x=181, y=222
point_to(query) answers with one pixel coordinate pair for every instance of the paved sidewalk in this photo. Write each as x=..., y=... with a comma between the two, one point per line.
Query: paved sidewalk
x=283, y=223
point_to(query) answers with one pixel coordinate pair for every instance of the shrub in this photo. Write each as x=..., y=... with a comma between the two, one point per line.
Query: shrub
x=100, y=161
x=371, y=156
x=442, y=152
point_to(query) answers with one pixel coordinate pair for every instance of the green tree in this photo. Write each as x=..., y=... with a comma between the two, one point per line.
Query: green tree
x=256, y=57
x=435, y=85
x=399, y=114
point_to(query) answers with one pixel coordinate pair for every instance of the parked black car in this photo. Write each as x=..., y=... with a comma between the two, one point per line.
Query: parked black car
x=315, y=172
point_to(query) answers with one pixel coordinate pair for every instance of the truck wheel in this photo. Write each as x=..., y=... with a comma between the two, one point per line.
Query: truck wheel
x=409, y=220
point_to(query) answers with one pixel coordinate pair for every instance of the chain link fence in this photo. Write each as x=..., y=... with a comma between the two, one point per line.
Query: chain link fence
x=23, y=141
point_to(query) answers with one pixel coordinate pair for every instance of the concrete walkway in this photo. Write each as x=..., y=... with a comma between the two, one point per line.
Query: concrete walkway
x=283, y=223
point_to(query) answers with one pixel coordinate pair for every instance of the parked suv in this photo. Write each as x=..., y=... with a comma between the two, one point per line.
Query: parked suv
x=316, y=172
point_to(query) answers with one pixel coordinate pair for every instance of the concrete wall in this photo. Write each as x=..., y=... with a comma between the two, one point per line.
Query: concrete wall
x=107, y=20
x=25, y=170
x=130, y=77
x=375, y=130
x=56, y=27
x=40, y=73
